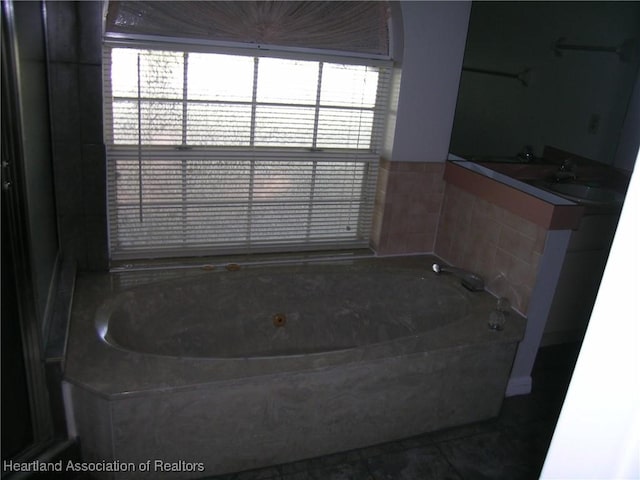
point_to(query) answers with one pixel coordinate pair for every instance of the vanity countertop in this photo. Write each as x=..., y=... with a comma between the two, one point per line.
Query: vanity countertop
x=543, y=208
x=528, y=188
x=547, y=166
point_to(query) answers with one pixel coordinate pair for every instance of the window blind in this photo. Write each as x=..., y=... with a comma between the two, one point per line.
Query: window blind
x=214, y=153
x=349, y=27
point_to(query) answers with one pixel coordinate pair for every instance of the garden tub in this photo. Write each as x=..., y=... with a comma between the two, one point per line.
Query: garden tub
x=197, y=372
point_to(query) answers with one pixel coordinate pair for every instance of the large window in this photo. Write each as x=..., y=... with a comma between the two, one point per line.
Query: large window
x=222, y=153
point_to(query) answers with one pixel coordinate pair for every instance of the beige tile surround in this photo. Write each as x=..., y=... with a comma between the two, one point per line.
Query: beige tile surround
x=408, y=204
x=490, y=240
x=417, y=212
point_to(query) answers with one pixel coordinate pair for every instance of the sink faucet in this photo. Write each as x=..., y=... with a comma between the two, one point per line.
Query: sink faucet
x=527, y=153
x=567, y=170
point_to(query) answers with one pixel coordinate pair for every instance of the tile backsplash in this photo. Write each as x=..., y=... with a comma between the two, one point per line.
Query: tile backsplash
x=418, y=212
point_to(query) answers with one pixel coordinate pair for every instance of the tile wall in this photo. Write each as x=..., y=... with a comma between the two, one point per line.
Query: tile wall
x=408, y=203
x=499, y=245
x=74, y=41
x=417, y=212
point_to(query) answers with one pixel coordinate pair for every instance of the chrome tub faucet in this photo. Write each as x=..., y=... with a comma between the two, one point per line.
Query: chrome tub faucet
x=469, y=280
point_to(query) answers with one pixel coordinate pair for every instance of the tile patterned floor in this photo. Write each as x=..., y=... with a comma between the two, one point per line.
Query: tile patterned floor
x=511, y=447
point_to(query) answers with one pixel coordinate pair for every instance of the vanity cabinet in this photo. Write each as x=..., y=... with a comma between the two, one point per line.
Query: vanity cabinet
x=580, y=277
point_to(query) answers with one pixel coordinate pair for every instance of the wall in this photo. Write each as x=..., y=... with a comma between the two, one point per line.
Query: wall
x=407, y=209
x=502, y=247
x=410, y=185
x=75, y=80
x=434, y=37
x=566, y=93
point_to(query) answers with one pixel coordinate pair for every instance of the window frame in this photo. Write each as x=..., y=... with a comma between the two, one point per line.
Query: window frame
x=369, y=157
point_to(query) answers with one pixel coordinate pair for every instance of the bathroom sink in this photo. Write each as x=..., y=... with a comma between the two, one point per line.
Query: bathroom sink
x=582, y=193
x=586, y=193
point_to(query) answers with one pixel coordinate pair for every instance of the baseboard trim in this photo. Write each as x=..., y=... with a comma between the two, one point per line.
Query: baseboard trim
x=519, y=386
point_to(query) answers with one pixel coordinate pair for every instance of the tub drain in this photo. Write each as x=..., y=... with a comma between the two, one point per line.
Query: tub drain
x=279, y=319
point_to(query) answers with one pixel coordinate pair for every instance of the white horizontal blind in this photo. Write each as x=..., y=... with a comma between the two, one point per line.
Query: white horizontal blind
x=215, y=153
